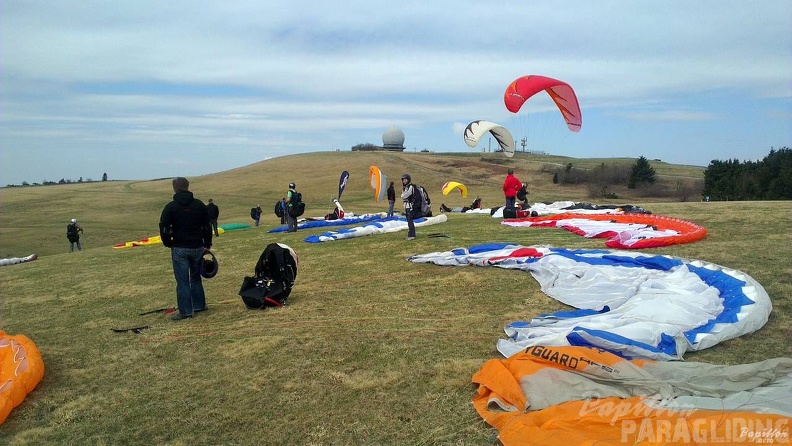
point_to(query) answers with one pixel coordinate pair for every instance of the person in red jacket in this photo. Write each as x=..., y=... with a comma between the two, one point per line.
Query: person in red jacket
x=511, y=185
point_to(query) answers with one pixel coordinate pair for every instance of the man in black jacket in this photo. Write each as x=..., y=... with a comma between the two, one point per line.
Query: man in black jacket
x=391, y=199
x=185, y=229
x=214, y=213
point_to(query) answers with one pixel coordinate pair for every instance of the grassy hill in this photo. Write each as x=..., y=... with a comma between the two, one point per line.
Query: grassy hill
x=372, y=350
x=33, y=219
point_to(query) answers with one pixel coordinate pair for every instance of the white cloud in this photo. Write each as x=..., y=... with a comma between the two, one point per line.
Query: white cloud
x=309, y=75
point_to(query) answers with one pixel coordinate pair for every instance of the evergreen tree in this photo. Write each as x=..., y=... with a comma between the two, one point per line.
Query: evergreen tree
x=776, y=174
x=642, y=173
x=104, y=176
x=768, y=179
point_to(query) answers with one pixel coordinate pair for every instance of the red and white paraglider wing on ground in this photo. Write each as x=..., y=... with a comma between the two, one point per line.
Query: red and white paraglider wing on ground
x=623, y=231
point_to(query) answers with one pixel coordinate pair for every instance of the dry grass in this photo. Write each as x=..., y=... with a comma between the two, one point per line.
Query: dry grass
x=373, y=350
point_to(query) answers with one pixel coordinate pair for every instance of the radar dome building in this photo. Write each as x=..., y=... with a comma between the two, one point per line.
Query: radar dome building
x=392, y=141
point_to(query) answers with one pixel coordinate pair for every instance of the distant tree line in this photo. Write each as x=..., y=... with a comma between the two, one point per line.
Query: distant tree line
x=364, y=147
x=640, y=175
x=768, y=179
x=53, y=183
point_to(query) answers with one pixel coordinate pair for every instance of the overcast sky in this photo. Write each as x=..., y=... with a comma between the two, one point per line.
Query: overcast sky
x=151, y=89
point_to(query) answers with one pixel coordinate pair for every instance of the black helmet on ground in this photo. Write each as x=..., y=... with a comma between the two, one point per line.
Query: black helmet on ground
x=209, y=266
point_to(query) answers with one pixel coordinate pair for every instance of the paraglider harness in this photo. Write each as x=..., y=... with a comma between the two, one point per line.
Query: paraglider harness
x=522, y=195
x=296, y=205
x=275, y=273
x=335, y=215
x=421, y=203
x=73, y=232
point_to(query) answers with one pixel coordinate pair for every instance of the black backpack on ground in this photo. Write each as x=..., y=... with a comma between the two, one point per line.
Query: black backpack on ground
x=275, y=273
x=509, y=212
x=296, y=205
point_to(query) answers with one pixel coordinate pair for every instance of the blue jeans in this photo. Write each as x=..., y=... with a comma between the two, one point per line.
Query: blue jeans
x=410, y=224
x=189, y=289
x=510, y=202
x=390, y=208
x=71, y=246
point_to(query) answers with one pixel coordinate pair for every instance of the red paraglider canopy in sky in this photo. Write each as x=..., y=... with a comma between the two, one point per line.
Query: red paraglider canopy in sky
x=562, y=94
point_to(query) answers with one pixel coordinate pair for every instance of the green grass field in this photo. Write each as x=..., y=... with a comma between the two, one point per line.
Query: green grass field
x=373, y=350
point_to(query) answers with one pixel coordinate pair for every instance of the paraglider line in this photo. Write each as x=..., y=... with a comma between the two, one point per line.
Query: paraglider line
x=135, y=330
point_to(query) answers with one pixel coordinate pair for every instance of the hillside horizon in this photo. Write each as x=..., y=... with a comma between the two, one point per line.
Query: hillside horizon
x=33, y=218
x=550, y=157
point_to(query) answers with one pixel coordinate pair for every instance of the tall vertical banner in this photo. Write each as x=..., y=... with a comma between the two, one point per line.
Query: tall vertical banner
x=342, y=182
x=378, y=182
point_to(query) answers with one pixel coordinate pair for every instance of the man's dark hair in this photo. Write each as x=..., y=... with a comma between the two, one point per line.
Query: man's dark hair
x=180, y=184
x=510, y=171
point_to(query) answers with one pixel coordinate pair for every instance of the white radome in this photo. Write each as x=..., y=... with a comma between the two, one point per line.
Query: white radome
x=393, y=137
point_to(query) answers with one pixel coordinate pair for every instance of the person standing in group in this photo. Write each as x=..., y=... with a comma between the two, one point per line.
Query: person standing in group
x=291, y=221
x=73, y=231
x=214, y=213
x=185, y=229
x=511, y=185
x=255, y=214
x=408, y=197
x=391, y=199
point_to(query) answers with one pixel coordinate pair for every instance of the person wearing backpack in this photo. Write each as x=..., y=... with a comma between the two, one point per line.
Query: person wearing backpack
x=73, y=231
x=214, y=214
x=409, y=197
x=255, y=213
x=292, y=201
